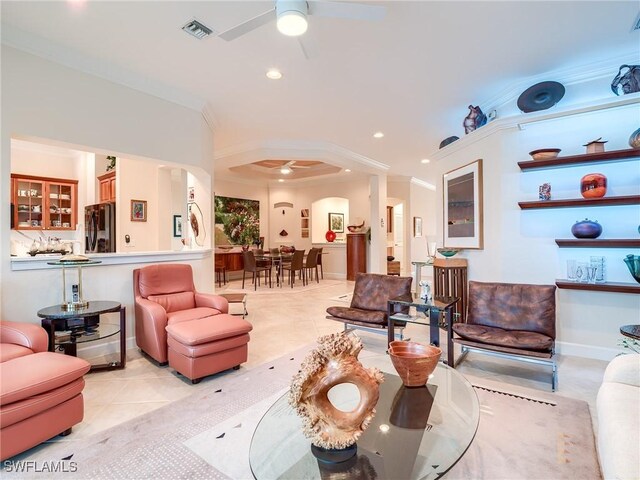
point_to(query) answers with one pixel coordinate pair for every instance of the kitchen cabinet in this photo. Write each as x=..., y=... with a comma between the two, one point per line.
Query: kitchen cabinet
x=107, y=187
x=588, y=159
x=44, y=203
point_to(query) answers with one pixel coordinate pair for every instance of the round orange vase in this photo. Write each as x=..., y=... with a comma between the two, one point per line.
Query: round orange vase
x=593, y=185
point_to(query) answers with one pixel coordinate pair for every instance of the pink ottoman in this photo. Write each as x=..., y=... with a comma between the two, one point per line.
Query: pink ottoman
x=209, y=345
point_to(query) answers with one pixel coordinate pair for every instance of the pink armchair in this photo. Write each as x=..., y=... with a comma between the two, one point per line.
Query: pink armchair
x=40, y=391
x=165, y=295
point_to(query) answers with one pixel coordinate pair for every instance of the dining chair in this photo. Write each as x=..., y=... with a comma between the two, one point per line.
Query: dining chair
x=250, y=265
x=296, y=265
x=220, y=270
x=320, y=262
x=311, y=264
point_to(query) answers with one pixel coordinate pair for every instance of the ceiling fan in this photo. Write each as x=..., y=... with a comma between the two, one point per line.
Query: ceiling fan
x=286, y=169
x=291, y=16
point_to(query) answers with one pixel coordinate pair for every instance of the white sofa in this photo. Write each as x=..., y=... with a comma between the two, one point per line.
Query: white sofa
x=618, y=407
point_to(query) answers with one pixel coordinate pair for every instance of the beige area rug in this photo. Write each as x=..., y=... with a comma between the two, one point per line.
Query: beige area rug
x=235, y=286
x=523, y=434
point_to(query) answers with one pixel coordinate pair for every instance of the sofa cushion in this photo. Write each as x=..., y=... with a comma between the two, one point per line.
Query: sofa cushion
x=191, y=314
x=18, y=411
x=505, y=338
x=31, y=375
x=9, y=351
x=197, y=332
x=173, y=302
x=364, y=316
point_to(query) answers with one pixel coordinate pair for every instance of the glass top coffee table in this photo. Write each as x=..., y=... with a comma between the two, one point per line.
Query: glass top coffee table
x=417, y=433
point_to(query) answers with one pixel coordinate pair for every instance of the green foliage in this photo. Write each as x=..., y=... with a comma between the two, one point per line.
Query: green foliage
x=240, y=219
x=112, y=163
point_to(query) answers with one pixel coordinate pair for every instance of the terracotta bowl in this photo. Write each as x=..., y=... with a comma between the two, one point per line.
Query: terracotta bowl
x=544, y=153
x=414, y=362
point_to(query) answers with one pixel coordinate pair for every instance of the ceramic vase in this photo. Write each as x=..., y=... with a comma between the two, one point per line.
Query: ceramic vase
x=586, y=229
x=633, y=263
x=593, y=185
x=634, y=139
x=330, y=236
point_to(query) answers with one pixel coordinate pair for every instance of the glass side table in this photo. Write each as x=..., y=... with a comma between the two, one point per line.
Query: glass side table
x=75, y=303
x=432, y=312
x=83, y=325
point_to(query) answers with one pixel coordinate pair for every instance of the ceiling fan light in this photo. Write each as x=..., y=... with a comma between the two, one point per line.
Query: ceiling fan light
x=292, y=23
x=285, y=170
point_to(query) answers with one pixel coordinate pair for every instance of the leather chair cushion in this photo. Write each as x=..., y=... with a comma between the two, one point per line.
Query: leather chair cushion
x=9, y=351
x=363, y=316
x=195, y=351
x=198, y=332
x=173, y=302
x=372, y=291
x=191, y=314
x=504, y=338
x=23, y=409
x=163, y=279
x=31, y=375
x=511, y=306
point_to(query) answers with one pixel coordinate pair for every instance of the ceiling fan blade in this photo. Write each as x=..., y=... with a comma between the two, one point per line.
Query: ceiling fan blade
x=309, y=46
x=249, y=25
x=298, y=166
x=356, y=11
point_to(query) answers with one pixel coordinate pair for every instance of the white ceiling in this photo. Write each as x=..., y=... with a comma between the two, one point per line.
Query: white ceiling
x=411, y=75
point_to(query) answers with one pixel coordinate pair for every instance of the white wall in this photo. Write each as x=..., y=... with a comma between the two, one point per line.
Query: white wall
x=320, y=210
x=519, y=245
x=44, y=100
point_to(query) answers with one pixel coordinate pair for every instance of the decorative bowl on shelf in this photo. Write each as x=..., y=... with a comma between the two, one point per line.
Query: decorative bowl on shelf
x=390, y=258
x=413, y=361
x=448, y=252
x=633, y=263
x=545, y=153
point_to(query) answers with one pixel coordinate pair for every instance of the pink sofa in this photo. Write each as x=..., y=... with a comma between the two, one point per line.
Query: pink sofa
x=190, y=330
x=40, y=391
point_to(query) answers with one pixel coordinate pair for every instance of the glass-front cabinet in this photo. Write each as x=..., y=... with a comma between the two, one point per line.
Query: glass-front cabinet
x=42, y=203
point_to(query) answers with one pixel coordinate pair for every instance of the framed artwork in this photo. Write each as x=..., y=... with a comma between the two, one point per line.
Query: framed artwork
x=138, y=210
x=462, y=203
x=417, y=226
x=336, y=222
x=177, y=225
x=191, y=196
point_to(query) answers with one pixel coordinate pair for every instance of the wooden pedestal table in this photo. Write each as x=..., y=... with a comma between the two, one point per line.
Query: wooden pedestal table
x=450, y=280
x=356, y=254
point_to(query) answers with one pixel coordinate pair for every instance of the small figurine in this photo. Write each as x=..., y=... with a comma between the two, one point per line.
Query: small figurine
x=629, y=82
x=595, y=146
x=425, y=292
x=474, y=120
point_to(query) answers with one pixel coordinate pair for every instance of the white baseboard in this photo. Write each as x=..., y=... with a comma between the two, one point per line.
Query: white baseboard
x=587, y=351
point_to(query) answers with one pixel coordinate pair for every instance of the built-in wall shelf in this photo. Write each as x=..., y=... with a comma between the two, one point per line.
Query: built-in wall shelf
x=600, y=287
x=582, y=202
x=599, y=242
x=584, y=159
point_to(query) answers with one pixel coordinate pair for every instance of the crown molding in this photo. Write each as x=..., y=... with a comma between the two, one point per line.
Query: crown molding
x=35, y=45
x=210, y=117
x=566, y=76
x=422, y=183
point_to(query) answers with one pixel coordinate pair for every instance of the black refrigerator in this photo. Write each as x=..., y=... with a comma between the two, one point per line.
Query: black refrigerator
x=100, y=228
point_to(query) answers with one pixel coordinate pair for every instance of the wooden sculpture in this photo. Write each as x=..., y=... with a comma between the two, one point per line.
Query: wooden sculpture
x=333, y=362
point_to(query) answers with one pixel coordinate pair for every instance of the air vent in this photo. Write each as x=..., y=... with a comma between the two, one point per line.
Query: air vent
x=197, y=29
x=636, y=24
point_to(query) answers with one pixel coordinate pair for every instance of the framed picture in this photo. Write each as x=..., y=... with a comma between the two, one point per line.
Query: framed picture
x=191, y=196
x=462, y=203
x=177, y=225
x=417, y=226
x=336, y=222
x=138, y=210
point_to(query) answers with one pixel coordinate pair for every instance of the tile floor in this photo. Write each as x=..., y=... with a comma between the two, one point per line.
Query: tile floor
x=283, y=321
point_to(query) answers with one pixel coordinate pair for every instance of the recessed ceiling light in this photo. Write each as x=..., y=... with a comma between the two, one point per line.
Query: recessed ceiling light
x=348, y=170
x=425, y=160
x=274, y=74
x=378, y=135
x=281, y=180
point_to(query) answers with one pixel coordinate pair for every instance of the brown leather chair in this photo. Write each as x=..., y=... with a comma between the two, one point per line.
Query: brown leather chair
x=511, y=320
x=255, y=268
x=191, y=331
x=311, y=264
x=369, y=306
x=296, y=265
x=40, y=391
